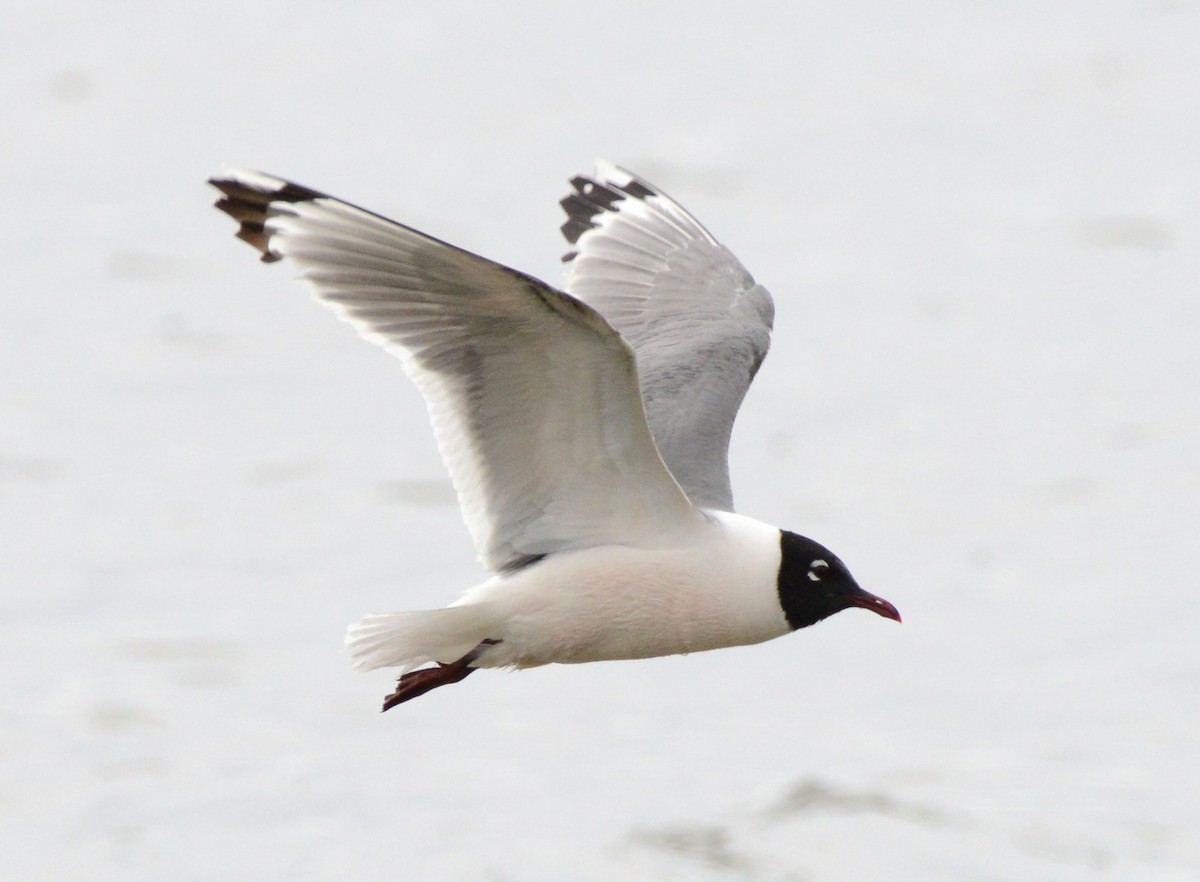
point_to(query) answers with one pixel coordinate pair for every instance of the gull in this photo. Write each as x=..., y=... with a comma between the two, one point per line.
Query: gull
x=586, y=430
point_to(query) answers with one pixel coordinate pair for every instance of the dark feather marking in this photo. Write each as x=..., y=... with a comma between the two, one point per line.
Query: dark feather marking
x=589, y=199
x=520, y=562
x=638, y=190
x=251, y=207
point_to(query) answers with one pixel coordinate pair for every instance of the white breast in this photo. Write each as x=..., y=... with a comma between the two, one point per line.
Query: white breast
x=715, y=588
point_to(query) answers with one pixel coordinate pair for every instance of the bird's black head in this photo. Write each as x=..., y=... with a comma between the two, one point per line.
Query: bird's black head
x=814, y=584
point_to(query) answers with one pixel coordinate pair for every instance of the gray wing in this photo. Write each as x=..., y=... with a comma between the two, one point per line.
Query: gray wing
x=699, y=324
x=533, y=396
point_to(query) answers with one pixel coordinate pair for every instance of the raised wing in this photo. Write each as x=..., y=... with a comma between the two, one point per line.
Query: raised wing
x=697, y=321
x=533, y=396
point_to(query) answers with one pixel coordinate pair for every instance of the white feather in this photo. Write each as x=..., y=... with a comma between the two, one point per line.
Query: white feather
x=408, y=640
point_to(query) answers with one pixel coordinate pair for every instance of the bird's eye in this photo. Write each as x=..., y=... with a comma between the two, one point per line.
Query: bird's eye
x=818, y=570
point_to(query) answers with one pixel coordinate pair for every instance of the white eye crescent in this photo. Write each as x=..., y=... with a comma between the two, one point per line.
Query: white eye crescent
x=817, y=570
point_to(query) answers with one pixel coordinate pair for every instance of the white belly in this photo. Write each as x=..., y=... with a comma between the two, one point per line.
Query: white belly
x=715, y=589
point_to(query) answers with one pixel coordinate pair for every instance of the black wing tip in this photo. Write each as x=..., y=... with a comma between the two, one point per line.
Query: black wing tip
x=262, y=189
x=248, y=201
x=637, y=189
x=589, y=200
x=594, y=196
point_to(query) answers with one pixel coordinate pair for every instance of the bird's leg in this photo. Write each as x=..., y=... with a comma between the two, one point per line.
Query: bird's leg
x=416, y=683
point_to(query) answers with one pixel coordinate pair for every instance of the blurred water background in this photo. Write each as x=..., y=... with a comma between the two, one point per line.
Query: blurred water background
x=980, y=222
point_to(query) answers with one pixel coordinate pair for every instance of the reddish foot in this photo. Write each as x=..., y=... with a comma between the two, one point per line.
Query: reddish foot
x=416, y=683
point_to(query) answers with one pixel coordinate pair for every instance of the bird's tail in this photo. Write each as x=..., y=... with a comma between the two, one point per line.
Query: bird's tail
x=408, y=640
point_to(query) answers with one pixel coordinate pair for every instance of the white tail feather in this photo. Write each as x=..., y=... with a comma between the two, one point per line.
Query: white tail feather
x=410, y=639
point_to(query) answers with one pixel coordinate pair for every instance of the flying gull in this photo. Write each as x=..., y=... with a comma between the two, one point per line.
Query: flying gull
x=586, y=430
